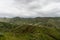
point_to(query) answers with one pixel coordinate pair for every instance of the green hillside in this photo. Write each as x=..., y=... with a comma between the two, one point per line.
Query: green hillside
x=45, y=28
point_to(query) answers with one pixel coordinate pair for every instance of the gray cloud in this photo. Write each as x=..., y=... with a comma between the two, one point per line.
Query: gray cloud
x=42, y=7
x=30, y=8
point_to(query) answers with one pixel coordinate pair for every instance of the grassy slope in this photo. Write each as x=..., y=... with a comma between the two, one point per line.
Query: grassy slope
x=47, y=31
x=39, y=33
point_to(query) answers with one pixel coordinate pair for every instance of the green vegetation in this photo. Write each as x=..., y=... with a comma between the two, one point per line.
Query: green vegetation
x=45, y=28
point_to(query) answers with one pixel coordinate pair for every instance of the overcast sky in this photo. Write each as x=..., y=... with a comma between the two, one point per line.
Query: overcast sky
x=30, y=8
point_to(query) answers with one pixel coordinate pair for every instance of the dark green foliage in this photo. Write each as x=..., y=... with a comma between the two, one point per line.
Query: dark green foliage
x=30, y=29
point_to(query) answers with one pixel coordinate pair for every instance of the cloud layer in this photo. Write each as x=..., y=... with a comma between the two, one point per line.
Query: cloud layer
x=30, y=8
